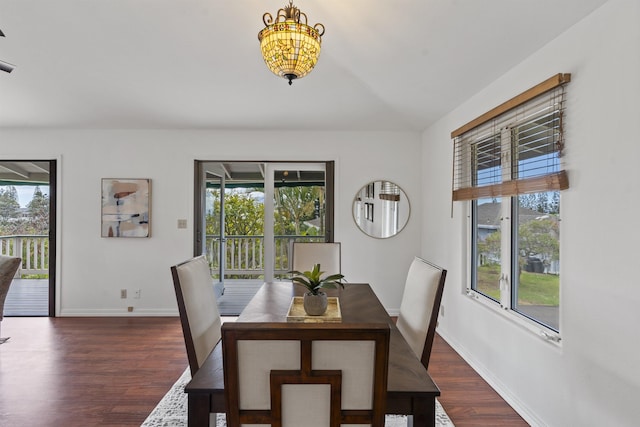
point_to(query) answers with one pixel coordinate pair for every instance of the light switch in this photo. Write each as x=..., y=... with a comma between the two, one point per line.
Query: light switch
x=182, y=223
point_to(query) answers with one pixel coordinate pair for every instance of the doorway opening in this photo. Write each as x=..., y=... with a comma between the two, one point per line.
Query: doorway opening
x=27, y=230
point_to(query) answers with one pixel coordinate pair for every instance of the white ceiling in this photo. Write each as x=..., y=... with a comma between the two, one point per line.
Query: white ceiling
x=385, y=65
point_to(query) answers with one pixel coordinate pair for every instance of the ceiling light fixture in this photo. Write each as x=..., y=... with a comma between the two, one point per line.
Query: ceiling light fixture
x=290, y=48
x=5, y=66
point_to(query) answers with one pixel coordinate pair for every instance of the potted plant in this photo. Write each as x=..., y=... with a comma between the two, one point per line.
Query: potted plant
x=315, y=300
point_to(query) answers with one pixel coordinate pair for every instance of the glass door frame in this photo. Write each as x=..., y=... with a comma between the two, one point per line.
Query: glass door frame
x=200, y=219
x=269, y=207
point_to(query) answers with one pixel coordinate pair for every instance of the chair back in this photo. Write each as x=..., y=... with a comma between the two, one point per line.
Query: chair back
x=305, y=374
x=307, y=254
x=420, y=306
x=8, y=267
x=198, y=309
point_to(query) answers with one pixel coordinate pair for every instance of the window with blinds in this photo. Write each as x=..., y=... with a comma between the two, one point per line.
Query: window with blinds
x=514, y=148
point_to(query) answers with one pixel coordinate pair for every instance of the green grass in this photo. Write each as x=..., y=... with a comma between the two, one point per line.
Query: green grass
x=539, y=289
x=489, y=280
x=534, y=289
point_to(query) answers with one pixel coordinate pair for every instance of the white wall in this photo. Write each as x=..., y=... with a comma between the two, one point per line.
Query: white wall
x=92, y=269
x=592, y=378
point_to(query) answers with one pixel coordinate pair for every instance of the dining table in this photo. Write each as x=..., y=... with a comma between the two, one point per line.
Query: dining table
x=410, y=389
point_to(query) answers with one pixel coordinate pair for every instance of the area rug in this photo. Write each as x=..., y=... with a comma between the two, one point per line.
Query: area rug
x=172, y=410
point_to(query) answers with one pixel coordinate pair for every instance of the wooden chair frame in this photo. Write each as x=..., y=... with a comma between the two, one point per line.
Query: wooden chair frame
x=433, y=322
x=306, y=334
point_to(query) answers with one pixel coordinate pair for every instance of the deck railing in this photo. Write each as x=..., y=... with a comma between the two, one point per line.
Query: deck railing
x=33, y=249
x=245, y=254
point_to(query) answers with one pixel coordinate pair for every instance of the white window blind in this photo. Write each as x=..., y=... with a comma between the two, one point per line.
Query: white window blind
x=514, y=148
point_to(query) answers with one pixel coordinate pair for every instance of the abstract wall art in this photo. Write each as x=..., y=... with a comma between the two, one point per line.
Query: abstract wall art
x=126, y=207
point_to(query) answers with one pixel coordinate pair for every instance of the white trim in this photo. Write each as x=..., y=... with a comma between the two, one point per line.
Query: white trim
x=541, y=331
x=58, y=237
x=122, y=312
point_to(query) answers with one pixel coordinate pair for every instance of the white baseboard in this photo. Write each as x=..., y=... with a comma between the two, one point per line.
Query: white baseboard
x=523, y=410
x=137, y=312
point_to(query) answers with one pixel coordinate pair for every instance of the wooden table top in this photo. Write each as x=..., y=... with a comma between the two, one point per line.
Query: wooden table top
x=359, y=304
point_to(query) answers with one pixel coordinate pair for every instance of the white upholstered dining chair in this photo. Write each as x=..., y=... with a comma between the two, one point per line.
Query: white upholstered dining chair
x=305, y=374
x=307, y=254
x=198, y=309
x=420, y=305
x=8, y=267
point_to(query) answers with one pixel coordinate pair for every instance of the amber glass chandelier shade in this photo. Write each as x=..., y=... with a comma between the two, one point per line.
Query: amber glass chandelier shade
x=290, y=48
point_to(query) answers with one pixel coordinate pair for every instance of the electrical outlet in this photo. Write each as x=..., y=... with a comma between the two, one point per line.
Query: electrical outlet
x=123, y=293
x=129, y=309
x=182, y=223
x=137, y=294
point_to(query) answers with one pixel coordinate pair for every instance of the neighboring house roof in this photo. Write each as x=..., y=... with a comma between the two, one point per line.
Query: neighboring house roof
x=316, y=222
x=489, y=215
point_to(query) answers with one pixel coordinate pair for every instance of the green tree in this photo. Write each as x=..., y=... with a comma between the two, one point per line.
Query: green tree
x=243, y=215
x=38, y=209
x=10, y=221
x=535, y=238
x=527, y=201
x=554, y=205
x=542, y=203
x=9, y=206
x=539, y=238
x=548, y=202
x=490, y=246
x=294, y=205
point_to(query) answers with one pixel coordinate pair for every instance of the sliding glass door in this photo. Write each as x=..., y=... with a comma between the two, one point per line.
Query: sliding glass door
x=294, y=200
x=249, y=213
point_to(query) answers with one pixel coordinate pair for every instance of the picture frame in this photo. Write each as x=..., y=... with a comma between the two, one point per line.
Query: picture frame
x=126, y=207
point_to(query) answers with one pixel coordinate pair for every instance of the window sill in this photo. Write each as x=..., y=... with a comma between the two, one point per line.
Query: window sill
x=542, y=332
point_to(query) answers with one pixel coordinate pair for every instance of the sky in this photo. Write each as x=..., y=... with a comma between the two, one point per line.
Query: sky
x=25, y=193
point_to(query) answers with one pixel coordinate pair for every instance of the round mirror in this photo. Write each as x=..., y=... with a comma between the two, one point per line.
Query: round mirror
x=381, y=209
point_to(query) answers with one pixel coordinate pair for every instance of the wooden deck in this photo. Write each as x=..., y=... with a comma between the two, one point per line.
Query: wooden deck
x=27, y=297
x=30, y=297
x=237, y=294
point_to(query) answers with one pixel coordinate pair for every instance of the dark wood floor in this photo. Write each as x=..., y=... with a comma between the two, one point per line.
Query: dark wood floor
x=465, y=396
x=113, y=371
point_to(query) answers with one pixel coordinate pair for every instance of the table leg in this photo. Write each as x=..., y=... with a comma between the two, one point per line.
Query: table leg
x=424, y=412
x=198, y=413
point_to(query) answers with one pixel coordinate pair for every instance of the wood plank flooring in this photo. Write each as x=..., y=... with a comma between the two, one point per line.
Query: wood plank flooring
x=465, y=396
x=111, y=372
